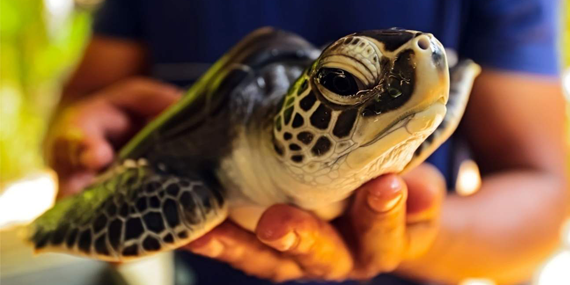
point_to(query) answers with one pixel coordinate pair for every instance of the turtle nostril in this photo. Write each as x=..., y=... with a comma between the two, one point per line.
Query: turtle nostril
x=423, y=43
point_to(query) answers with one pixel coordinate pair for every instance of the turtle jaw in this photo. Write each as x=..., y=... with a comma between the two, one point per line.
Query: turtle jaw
x=418, y=73
x=389, y=131
x=393, y=148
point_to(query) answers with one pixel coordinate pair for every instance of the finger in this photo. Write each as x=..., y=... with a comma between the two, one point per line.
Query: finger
x=74, y=182
x=144, y=97
x=79, y=139
x=87, y=136
x=99, y=118
x=313, y=243
x=97, y=153
x=58, y=155
x=242, y=250
x=426, y=192
x=378, y=219
x=80, y=148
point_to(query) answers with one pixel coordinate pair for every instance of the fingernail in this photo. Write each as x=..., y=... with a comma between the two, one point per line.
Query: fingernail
x=383, y=206
x=383, y=199
x=212, y=249
x=284, y=243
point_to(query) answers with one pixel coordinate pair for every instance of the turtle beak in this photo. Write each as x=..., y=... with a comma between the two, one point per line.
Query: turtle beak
x=438, y=58
x=422, y=61
x=427, y=44
x=431, y=55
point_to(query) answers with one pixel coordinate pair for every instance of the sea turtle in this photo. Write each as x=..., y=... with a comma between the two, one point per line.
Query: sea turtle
x=275, y=120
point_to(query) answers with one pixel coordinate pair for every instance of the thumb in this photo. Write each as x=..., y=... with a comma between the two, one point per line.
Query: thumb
x=378, y=219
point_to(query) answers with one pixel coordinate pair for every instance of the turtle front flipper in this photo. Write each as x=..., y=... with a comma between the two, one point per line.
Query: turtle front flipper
x=132, y=211
x=462, y=76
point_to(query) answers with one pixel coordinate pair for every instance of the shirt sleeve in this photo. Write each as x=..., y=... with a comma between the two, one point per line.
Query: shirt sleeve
x=118, y=18
x=515, y=35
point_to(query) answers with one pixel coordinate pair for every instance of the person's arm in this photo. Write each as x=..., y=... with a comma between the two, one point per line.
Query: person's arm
x=515, y=125
x=105, y=61
x=103, y=104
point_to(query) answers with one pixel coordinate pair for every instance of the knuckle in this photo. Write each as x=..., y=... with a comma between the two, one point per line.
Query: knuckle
x=286, y=272
x=366, y=275
x=381, y=261
x=372, y=271
x=383, y=267
x=280, y=210
x=336, y=275
x=212, y=249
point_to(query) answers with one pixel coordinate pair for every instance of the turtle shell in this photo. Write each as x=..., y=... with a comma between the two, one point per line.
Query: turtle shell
x=201, y=126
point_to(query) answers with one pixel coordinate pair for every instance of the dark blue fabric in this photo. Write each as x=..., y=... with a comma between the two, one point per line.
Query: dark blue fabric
x=516, y=35
x=184, y=36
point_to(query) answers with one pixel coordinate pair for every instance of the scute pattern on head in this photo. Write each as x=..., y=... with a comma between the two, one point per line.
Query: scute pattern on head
x=360, y=86
x=315, y=130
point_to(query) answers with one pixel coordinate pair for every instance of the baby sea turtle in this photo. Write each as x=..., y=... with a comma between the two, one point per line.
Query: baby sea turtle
x=275, y=120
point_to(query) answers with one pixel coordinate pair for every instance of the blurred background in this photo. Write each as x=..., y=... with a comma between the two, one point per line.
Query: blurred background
x=40, y=42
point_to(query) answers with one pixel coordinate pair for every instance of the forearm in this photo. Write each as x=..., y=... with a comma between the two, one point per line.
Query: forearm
x=105, y=61
x=503, y=232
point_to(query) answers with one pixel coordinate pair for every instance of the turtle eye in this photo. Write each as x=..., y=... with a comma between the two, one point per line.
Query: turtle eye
x=339, y=81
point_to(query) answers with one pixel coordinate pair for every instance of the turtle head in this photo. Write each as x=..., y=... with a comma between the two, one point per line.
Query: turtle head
x=363, y=107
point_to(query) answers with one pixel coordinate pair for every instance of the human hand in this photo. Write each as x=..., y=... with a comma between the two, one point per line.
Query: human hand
x=82, y=140
x=391, y=220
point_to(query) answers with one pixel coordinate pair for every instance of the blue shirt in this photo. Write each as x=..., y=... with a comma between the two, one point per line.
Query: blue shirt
x=185, y=36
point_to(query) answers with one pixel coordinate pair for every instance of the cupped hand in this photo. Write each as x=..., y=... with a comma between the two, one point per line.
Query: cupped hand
x=82, y=139
x=392, y=219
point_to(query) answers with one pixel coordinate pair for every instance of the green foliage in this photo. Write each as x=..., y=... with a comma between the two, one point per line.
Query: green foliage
x=36, y=49
x=566, y=33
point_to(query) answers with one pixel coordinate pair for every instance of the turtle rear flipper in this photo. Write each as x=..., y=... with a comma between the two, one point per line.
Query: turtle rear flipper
x=132, y=211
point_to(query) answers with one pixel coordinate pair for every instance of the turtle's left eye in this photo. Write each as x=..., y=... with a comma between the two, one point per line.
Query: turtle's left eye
x=339, y=81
